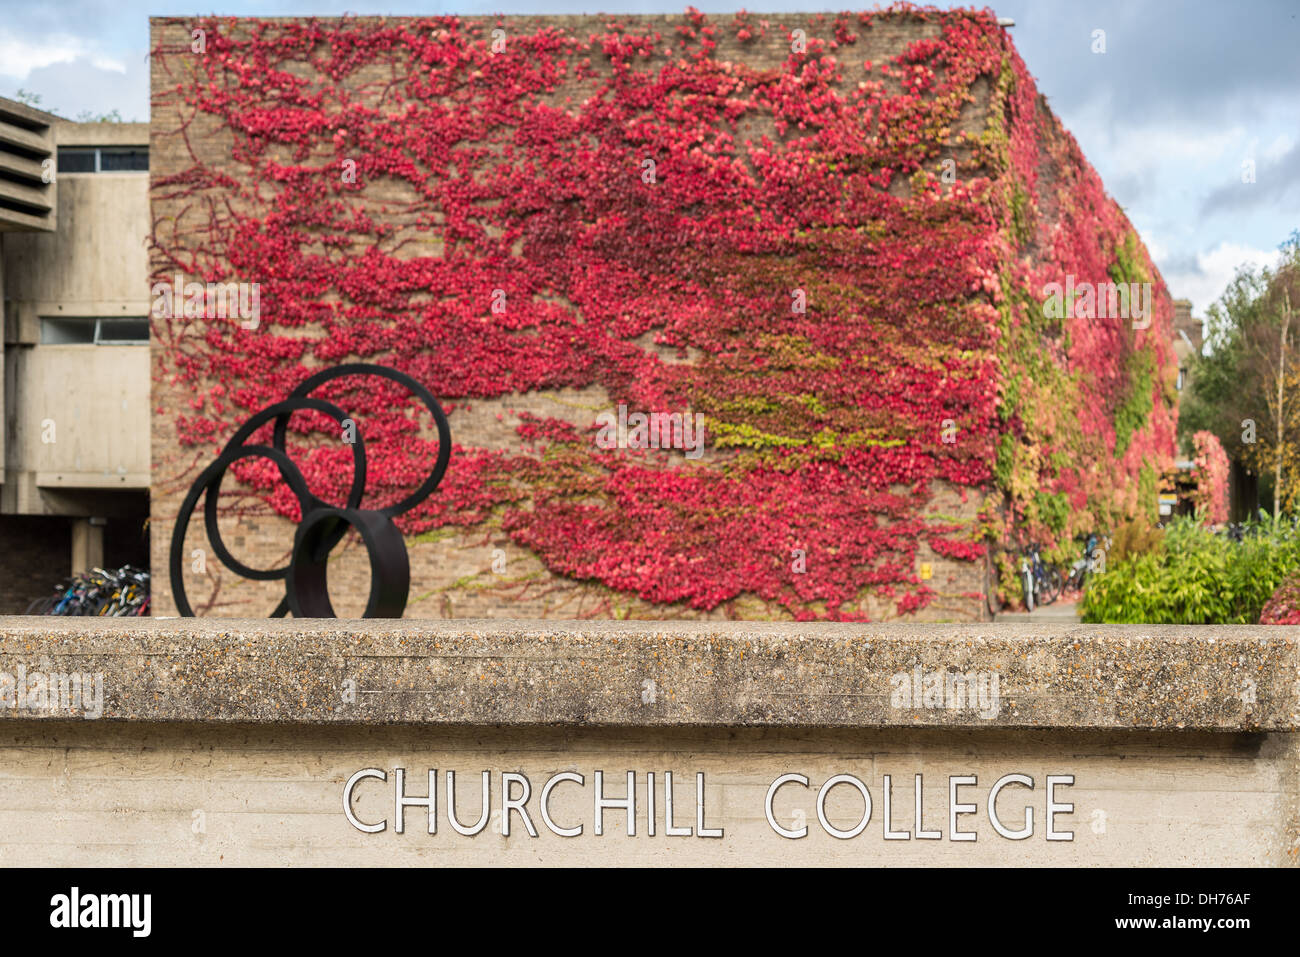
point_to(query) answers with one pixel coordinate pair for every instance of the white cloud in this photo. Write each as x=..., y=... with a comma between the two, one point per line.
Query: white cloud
x=1214, y=270
x=1126, y=147
x=19, y=57
x=69, y=89
x=1278, y=148
x=1158, y=250
x=108, y=63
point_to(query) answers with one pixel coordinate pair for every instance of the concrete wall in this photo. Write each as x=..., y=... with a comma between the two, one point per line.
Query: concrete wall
x=79, y=421
x=233, y=742
x=76, y=434
x=94, y=265
x=28, y=196
x=97, y=794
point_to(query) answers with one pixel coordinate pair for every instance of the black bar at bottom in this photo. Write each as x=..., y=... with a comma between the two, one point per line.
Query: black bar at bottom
x=348, y=907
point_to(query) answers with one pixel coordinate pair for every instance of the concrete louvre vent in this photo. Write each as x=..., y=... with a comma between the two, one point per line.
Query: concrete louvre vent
x=26, y=168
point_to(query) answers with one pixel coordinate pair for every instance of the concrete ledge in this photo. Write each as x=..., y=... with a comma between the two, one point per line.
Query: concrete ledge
x=675, y=673
x=72, y=133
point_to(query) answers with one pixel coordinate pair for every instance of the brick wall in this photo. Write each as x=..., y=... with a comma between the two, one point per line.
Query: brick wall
x=452, y=571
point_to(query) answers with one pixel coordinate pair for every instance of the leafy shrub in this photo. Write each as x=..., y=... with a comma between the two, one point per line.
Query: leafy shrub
x=1135, y=537
x=1284, y=607
x=1197, y=578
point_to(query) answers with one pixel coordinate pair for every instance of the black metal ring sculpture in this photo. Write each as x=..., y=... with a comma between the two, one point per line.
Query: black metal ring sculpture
x=323, y=525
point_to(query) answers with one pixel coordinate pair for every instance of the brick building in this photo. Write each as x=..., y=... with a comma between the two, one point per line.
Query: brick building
x=202, y=162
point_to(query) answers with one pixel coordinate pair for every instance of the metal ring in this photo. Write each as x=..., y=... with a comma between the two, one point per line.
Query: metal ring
x=307, y=586
x=322, y=525
x=306, y=502
x=311, y=383
x=288, y=471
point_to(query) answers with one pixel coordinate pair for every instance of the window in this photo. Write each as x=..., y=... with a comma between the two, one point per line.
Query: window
x=100, y=332
x=121, y=332
x=78, y=161
x=103, y=159
x=124, y=161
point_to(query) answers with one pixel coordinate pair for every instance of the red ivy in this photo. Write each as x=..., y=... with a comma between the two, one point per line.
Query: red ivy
x=496, y=179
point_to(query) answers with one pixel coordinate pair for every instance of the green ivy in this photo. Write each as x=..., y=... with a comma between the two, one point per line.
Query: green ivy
x=1053, y=510
x=1127, y=267
x=1136, y=408
x=1006, y=459
x=1020, y=224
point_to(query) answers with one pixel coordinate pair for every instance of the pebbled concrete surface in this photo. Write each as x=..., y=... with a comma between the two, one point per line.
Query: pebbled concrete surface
x=666, y=673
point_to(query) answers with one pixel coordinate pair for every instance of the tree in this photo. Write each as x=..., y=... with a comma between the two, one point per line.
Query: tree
x=1271, y=341
x=89, y=116
x=1247, y=389
x=33, y=100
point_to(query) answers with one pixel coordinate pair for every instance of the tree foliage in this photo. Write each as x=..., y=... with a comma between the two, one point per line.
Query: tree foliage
x=1246, y=389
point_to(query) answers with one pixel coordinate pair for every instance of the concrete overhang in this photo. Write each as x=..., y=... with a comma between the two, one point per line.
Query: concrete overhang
x=27, y=168
x=68, y=133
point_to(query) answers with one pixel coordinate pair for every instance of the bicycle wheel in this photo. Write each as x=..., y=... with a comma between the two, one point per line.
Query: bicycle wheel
x=1027, y=582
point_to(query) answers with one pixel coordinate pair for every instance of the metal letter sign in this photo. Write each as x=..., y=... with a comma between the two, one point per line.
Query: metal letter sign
x=323, y=526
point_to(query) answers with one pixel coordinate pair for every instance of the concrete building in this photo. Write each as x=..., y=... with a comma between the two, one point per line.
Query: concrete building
x=74, y=219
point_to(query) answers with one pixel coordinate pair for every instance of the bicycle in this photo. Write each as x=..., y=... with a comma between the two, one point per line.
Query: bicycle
x=1041, y=582
x=98, y=593
x=1080, y=570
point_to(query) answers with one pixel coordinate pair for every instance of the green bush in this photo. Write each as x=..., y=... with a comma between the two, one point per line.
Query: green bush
x=1284, y=607
x=1196, y=578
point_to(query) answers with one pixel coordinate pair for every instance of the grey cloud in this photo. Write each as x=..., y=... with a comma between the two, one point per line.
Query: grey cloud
x=1131, y=189
x=1182, y=264
x=1199, y=59
x=1274, y=182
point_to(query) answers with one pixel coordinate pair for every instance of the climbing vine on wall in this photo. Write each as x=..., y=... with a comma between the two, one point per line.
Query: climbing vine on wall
x=1211, y=472
x=853, y=266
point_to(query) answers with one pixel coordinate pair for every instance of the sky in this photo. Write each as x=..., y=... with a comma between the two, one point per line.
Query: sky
x=1185, y=94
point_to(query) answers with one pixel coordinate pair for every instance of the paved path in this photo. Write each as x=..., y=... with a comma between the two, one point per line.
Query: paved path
x=1059, y=612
